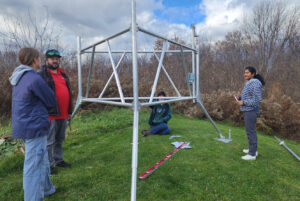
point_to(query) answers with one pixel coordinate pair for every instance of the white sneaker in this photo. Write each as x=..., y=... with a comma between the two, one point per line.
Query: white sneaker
x=246, y=151
x=248, y=157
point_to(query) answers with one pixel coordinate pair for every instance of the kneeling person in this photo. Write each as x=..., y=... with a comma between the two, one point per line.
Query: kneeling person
x=159, y=118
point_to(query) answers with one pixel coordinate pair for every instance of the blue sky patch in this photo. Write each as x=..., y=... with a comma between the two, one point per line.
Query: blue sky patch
x=181, y=12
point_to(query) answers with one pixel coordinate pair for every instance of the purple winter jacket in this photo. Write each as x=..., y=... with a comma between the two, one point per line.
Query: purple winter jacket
x=31, y=100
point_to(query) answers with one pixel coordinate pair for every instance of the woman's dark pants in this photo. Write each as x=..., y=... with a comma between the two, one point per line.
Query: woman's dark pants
x=250, y=122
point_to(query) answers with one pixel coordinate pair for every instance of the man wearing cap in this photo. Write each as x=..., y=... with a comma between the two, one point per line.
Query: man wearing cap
x=58, y=81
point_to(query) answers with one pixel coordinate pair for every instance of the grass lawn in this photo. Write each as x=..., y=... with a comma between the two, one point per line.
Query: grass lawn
x=99, y=148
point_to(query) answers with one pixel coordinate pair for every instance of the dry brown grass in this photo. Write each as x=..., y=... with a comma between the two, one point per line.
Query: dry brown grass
x=280, y=114
x=5, y=91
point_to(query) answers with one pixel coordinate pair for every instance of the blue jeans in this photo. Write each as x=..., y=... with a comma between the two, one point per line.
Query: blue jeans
x=36, y=175
x=161, y=129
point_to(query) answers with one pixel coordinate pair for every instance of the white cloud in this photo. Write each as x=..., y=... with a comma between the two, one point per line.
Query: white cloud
x=94, y=20
x=223, y=16
x=91, y=19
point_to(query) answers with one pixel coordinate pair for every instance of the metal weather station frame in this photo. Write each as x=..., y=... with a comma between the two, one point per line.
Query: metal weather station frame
x=137, y=102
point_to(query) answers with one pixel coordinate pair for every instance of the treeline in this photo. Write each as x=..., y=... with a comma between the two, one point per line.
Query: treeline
x=269, y=40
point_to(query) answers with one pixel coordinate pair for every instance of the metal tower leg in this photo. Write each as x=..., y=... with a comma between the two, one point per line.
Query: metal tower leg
x=135, y=102
x=79, y=96
x=199, y=101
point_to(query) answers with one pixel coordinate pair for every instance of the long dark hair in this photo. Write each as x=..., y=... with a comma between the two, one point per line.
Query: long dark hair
x=252, y=70
x=161, y=93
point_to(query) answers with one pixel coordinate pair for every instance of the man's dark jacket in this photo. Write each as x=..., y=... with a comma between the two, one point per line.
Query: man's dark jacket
x=43, y=72
x=160, y=114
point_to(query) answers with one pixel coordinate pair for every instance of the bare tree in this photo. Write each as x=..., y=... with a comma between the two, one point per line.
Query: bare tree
x=30, y=31
x=270, y=30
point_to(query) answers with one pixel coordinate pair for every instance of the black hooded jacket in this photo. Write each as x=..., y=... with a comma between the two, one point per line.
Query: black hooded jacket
x=43, y=72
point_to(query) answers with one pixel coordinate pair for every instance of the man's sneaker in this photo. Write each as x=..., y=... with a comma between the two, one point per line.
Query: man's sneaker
x=246, y=151
x=145, y=133
x=52, y=171
x=63, y=164
x=248, y=157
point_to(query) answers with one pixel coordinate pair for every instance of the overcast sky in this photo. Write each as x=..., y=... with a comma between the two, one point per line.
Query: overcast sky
x=97, y=19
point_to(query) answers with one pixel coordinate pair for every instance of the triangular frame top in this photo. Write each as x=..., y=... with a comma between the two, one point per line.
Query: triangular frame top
x=121, y=100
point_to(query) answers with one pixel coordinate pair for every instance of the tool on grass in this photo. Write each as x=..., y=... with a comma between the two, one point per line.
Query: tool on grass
x=159, y=163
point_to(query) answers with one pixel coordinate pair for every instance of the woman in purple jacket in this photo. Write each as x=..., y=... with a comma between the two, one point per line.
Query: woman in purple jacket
x=31, y=100
x=249, y=105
